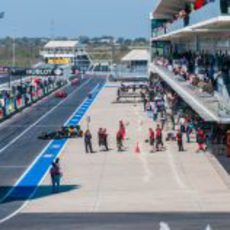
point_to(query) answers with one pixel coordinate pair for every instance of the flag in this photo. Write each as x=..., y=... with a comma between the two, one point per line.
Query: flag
x=2, y=14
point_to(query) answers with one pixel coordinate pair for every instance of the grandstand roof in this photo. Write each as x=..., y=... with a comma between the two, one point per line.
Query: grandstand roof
x=137, y=55
x=61, y=44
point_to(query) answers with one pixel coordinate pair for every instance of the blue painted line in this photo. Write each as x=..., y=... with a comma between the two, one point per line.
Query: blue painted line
x=29, y=182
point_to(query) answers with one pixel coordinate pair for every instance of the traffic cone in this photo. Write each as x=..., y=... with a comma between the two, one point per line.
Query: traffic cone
x=137, y=149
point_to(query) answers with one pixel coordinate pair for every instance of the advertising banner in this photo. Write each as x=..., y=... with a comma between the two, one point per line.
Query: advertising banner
x=10, y=107
x=40, y=72
x=44, y=72
x=59, y=61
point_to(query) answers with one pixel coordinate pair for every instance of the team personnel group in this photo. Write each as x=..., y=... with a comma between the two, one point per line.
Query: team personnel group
x=156, y=105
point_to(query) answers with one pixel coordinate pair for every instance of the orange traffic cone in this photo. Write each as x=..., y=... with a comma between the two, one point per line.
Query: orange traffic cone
x=137, y=149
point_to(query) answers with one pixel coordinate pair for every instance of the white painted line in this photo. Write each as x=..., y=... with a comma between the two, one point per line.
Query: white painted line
x=174, y=170
x=40, y=119
x=48, y=156
x=164, y=226
x=208, y=227
x=56, y=146
x=97, y=201
x=147, y=172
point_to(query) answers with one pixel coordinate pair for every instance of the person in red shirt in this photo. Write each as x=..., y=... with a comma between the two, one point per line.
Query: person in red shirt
x=151, y=137
x=179, y=138
x=159, y=138
x=119, y=140
x=122, y=129
x=201, y=140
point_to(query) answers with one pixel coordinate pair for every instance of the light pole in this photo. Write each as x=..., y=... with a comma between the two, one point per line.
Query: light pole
x=13, y=52
x=113, y=51
x=13, y=59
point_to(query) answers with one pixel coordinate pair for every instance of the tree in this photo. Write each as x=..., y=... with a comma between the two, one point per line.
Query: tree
x=84, y=39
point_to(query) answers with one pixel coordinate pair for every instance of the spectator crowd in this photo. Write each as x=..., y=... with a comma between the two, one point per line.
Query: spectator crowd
x=22, y=95
x=202, y=70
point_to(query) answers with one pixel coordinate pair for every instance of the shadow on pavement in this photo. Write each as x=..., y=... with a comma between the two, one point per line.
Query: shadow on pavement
x=31, y=192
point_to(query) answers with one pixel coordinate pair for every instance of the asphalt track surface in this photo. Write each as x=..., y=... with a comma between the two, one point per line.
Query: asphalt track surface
x=120, y=221
x=16, y=154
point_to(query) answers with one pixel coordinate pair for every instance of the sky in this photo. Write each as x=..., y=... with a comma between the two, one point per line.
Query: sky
x=72, y=18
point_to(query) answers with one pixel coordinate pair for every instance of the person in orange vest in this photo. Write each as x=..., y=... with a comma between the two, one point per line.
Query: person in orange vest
x=201, y=140
x=159, y=137
x=179, y=138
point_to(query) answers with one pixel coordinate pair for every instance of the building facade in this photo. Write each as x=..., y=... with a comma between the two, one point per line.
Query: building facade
x=66, y=53
x=190, y=51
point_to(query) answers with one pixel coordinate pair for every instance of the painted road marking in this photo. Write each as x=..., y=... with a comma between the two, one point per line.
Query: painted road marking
x=165, y=226
x=27, y=184
x=56, y=146
x=48, y=155
x=40, y=119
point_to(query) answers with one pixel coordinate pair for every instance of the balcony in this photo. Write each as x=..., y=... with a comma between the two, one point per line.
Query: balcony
x=199, y=18
x=206, y=105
